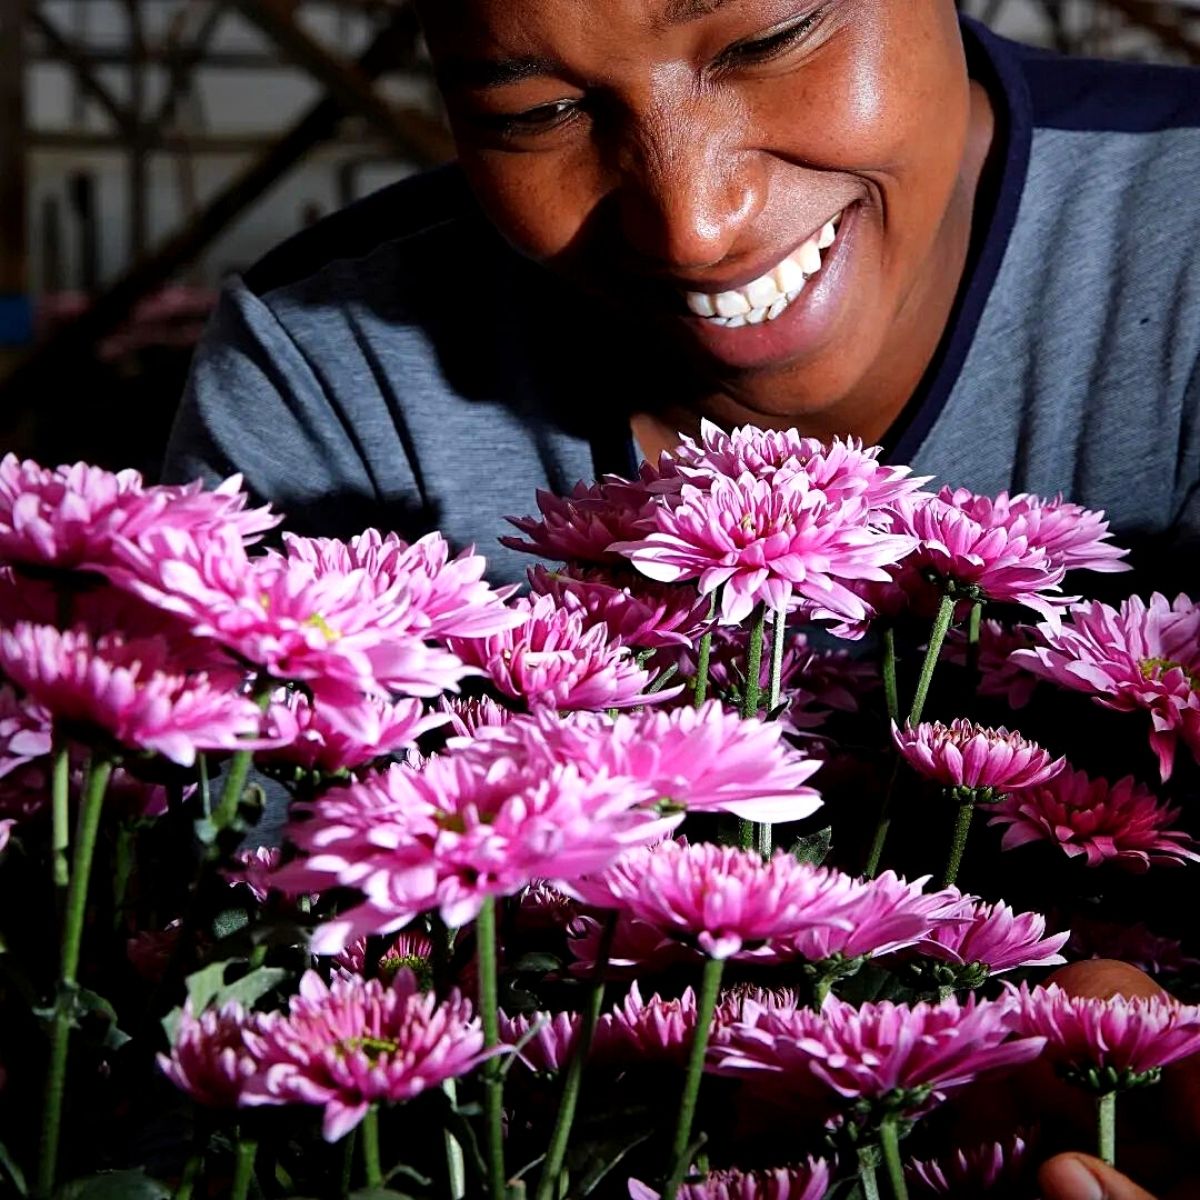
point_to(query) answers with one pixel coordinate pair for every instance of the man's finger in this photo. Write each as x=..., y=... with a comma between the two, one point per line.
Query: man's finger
x=1081, y=1177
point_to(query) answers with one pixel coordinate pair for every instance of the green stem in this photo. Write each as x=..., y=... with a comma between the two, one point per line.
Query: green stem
x=974, y=621
x=123, y=861
x=456, y=1165
x=958, y=842
x=243, y=1169
x=709, y=986
x=205, y=786
x=61, y=815
x=867, y=1162
x=86, y=834
x=239, y=767
x=493, y=1078
x=187, y=1181
x=370, y=1148
x=559, y=1139
x=891, y=693
x=753, y=693
x=349, y=1145
x=704, y=655
x=941, y=624
x=765, y=839
x=889, y=1138
x=883, y=824
x=1106, y=1127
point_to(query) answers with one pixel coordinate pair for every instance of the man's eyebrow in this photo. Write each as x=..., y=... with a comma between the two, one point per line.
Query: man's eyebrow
x=494, y=72
x=679, y=12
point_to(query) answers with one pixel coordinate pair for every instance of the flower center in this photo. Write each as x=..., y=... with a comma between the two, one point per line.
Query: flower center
x=316, y=621
x=374, y=1048
x=1156, y=668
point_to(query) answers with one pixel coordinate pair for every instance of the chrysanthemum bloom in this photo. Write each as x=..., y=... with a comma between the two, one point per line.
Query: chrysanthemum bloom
x=25, y=732
x=641, y=1031
x=888, y=1058
x=995, y=1168
x=782, y=543
x=150, y=951
x=6, y=828
x=1073, y=537
x=255, y=870
x=126, y=689
x=409, y=951
x=634, y=946
x=995, y=937
x=210, y=1057
x=357, y=1042
x=1102, y=821
x=999, y=676
x=444, y=596
x=1134, y=944
x=971, y=561
x=310, y=742
x=705, y=760
x=342, y=633
x=553, y=661
x=808, y=1182
x=964, y=757
x=476, y=823
x=1140, y=656
x=843, y=469
x=633, y=609
x=1108, y=1044
x=542, y=1041
x=723, y=900
x=583, y=526
x=69, y=516
x=881, y=915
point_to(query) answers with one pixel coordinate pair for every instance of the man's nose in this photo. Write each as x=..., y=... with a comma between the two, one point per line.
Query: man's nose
x=688, y=193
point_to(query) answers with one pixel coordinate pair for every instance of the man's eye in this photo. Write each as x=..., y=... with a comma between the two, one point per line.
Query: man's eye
x=774, y=44
x=534, y=120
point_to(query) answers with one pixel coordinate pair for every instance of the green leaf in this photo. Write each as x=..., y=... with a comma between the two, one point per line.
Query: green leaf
x=251, y=988
x=116, y=1185
x=13, y=1171
x=229, y=922
x=204, y=984
x=815, y=847
x=537, y=962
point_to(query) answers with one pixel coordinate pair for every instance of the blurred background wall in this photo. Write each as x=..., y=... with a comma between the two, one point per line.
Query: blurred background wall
x=148, y=147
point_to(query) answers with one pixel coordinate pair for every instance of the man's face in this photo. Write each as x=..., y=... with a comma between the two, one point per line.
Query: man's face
x=764, y=179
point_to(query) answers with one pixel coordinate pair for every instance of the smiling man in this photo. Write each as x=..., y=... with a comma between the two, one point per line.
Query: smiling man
x=855, y=217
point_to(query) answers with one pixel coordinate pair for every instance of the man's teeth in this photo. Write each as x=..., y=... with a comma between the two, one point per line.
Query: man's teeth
x=769, y=295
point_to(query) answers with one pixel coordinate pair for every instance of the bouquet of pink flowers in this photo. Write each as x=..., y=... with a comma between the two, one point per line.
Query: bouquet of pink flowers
x=329, y=869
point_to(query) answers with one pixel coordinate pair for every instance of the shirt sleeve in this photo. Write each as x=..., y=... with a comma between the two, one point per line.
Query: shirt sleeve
x=254, y=404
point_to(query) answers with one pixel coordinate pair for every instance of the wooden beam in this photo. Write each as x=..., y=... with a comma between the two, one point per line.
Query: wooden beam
x=425, y=140
x=1170, y=31
x=33, y=381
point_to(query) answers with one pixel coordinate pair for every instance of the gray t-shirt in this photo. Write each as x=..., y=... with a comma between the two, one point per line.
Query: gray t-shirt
x=398, y=365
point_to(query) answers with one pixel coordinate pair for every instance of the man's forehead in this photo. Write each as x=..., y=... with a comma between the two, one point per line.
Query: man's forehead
x=658, y=12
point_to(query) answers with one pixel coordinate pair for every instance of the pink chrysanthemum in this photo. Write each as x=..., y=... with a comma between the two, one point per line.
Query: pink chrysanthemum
x=210, y=1057
x=542, y=1041
x=783, y=544
x=906, y=1058
x=633, y=610
x=641, y=1031
x=127, y=690
x=255, y=870
x=843, y=470
x=583, y=526
x=409, y=951
x=1140, y=656
x=726, y=901
x=634, y=945
x=962, y=755
x=975, y=561
x=995, y=937
x=1107, y=1044
x=465, y=718
x=355, y=1042
x=808, y=1182
x=71, y=516
x=364, y=732
x=25, y=732
x=479, y=822
x=1122, y=822
x=881, y=915
x=1072, y=536
x=553, y=661
x=704, y=760
x=996, y=1169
